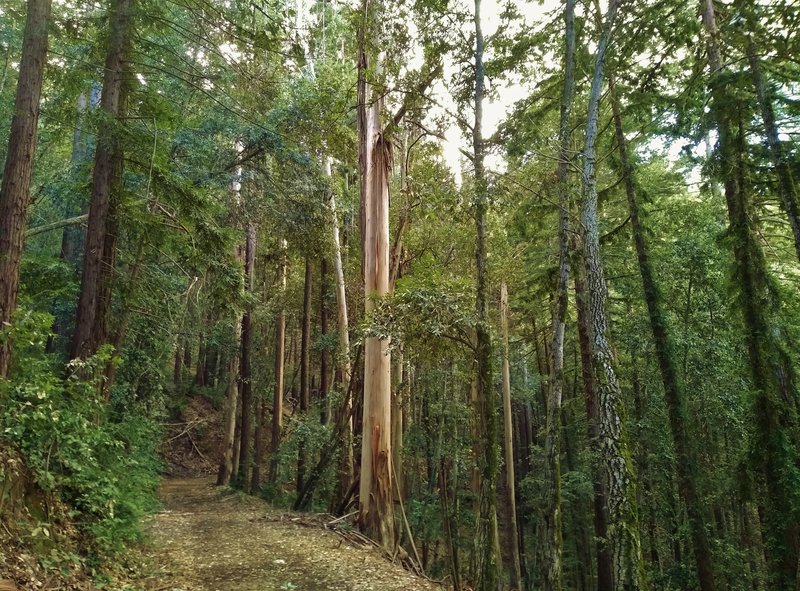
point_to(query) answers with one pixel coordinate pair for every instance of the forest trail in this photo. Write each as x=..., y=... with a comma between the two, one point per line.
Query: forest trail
x=206, y=540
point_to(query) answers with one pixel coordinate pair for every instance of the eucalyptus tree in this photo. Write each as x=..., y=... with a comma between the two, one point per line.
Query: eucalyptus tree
x=376, y=494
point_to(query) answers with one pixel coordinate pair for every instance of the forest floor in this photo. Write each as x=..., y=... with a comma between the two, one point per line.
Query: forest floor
x=205, y=539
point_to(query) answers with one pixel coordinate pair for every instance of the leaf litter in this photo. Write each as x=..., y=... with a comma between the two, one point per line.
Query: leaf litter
x=207, y=540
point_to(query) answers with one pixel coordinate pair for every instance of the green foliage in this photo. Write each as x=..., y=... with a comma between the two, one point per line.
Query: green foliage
x=102, y=463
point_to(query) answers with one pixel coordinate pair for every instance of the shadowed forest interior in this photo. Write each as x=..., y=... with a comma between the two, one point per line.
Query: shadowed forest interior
x=505, y=294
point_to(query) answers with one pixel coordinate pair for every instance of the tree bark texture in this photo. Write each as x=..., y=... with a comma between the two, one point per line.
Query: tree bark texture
x=280, y=348
x=553, y=544
x=487, y=577
x=376, y=494
x=226, y=465
x=619, y=476
x=599, y=502
x=305, y=367
x=325, y=409
x=343, y=352
x=15, y=189
x=508, y=437
x=91, y=323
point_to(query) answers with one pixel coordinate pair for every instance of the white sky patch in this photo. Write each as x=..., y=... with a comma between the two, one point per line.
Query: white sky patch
x=505, y=93
x=230, y=52
x=198, y=55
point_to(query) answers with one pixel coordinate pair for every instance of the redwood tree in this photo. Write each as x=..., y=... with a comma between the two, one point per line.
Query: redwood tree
x=91, y=324
x=15, y=189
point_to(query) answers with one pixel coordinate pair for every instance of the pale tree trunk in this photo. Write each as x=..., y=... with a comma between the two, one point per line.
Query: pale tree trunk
x=508, y=437
x=674, y=390
x=72, y=236
x=305, y=368
x=280, y=347
x=226, y=465
x=486, y=539
x=15, y=189
x=619, y=476
x=553, y=544
x=343, y=353
x=376, y=494
x=323, y=356
x=91, y=323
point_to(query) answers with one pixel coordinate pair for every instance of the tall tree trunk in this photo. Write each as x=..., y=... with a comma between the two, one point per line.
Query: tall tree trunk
x=775, y=416
x=73, y=235
x=553, y=544
x=674, y=390
x=280, y=347
x=343, y=351
x=325, y=409
x=486, y=540
x=15, y=189
x=245, y=365
x=619, y=476
x=786, y=186
x=398, y=408
x=305, y=368
x=513, y=534
x=599, y=501
x=376, y=494
x=226, y=465
x=91, y=323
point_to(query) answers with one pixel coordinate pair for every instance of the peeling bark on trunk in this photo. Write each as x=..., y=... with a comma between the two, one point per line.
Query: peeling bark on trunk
x=91, y=324
x=15, y=189
x=376, y=494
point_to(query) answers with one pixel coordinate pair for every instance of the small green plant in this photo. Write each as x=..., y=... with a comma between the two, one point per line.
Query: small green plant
x=100, y=461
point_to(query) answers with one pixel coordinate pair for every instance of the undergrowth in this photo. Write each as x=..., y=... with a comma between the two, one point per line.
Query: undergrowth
x=96, y=458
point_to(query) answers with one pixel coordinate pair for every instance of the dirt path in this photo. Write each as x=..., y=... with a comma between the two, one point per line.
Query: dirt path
x=206, y=541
